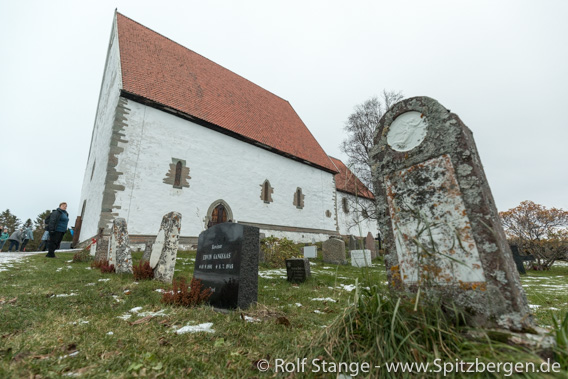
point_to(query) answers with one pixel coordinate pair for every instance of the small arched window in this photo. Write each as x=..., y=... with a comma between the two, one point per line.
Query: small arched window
x=299, y=198
x=177, y=180
x=345, y=205
x=266, y=192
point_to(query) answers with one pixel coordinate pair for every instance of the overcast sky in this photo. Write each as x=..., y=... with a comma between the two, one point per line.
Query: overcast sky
x=502, y=66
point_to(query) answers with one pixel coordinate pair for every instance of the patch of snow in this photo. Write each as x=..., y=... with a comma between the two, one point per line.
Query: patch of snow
x=298, y=304
x=251, y=319
x=348, y=287
x=161, y=312
x=71, y=261
x=534, y=306
x=88, y=268
x=66, y=294
x=110, y=333
x=205, y=327
x=135, y=310
x=125, y=316
x=318, y=312
x=104, y=280
x=324, y=299
x=90, y=284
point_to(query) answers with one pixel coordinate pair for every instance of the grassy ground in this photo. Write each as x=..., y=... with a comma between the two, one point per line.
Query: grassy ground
x=59, y=318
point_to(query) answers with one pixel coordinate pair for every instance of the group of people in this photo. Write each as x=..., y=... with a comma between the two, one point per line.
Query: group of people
x=55, y=227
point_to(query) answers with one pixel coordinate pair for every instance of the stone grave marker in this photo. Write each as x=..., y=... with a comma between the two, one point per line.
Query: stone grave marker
x=370, y=244
x=119, y=253
x=147, y=251
x=432, y=194
x=310, y=251
x=298, y=269
x=333, y=251
x=353, y=243
x=102, y=246
x=360, y=258
x=227, y=262
x=164, y=250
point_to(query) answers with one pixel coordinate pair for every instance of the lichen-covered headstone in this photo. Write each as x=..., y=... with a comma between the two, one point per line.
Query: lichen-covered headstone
x=101, y=246
x=441, y=229
x=333, y=251
x=360, y=258
x=164, y=250
x=119, y=253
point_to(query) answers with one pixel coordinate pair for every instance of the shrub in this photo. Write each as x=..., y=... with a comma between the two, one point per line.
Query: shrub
x=103, y=266
x=181, y=295
x=143, y=271
x=277, y=250
x=82, y=256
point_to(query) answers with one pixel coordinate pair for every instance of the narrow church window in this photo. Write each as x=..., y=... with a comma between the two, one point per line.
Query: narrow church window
x=177, y=181
x=266, y=192
x=83, y=209
x=345, y=205
x=93, y=171
x=328, y=213
x=299, y=198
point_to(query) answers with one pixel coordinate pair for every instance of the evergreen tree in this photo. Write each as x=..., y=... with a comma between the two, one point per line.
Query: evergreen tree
x=10, y=221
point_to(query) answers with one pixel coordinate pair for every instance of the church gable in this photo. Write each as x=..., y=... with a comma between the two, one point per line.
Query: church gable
x=176, y=79
x=346, y=181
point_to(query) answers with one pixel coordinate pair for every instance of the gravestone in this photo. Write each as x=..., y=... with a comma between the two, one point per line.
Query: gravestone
x=227, y=262
x=518, y=259
x=93, y=248
x=360, y=258
x=147, y=251
x=102, y=246
x=333, y=251
x=164, y=250
x=352, y=243
x=119, y=253
x=298, y=269
x=310, y=251
x=440, y=226
x=370, y=244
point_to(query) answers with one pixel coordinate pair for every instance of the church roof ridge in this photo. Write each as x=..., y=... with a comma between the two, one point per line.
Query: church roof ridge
x=156, y=68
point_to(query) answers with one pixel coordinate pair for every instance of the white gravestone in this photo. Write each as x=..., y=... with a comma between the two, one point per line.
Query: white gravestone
x=361, y=258
x=310, y=251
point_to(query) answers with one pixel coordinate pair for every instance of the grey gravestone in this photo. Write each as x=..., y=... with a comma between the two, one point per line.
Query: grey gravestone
x=102, y=246
x=333, y=251
x=227, y=262
x=147, y=251
x=164, y=250
x=352, y=243
x=298, y=269
x=119, y=253
x=370, y=244
x=432, y=192
x=310, y=251
x=360, y=258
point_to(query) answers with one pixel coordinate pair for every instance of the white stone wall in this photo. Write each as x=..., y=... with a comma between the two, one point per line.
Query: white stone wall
x=353, y=222
x=92, y=189
x=221, y=167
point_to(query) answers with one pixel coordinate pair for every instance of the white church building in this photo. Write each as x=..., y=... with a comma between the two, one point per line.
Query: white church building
x=175, y=131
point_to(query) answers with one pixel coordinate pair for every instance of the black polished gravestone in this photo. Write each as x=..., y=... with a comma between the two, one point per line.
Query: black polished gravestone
x=227, y=262
x=298, y=269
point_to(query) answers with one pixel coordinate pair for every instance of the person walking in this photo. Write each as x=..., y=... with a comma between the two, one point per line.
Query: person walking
x=3, y=237
x=57, y=226
x=15, y=240
x=44, y=241
x=28, y=235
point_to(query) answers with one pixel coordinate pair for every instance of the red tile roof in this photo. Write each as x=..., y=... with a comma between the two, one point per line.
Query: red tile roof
x=346, y=181
x=158, y=69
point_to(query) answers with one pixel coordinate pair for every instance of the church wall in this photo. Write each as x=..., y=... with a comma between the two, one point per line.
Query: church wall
x=220, y=167
x=93, y=188
x=348, y=222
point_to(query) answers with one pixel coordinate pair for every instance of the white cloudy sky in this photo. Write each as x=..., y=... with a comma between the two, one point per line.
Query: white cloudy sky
x=502, y=66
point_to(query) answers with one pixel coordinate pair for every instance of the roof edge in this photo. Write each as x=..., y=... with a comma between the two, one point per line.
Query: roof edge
x=175, y=112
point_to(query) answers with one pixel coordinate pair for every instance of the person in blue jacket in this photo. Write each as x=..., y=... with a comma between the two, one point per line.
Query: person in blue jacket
x=57, y=226
x=28, y=235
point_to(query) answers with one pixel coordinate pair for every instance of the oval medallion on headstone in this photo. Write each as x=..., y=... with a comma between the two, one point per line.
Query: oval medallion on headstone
x=157, y=248
x=407, y=131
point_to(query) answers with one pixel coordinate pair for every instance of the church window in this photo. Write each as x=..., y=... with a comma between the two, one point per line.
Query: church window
x=93, y=171
x=177, y=180
x=299, y=198
x=266, y=192
x=345, y=205
x=328, y=213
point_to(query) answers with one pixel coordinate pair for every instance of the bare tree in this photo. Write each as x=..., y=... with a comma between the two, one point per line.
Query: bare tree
x=361, y=127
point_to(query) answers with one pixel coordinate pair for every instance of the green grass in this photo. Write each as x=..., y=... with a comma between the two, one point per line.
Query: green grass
x=39, y=330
